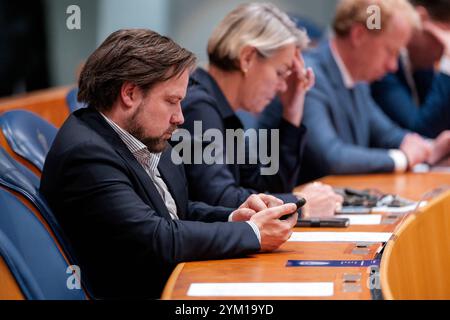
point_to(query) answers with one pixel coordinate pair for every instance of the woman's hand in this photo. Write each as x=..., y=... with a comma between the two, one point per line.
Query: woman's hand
x=298, y=83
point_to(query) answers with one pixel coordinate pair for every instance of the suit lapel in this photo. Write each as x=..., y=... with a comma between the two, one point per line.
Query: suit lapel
x=146, y=183
x=360, y=125
x=98, y=123
x=171, y=176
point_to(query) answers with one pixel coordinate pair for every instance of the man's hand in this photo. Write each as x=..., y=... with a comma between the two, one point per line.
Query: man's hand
x=274, y=232
x=321, y=200
x=416, y=149
x=255, y=203
x=441, y=148
x=299, y=82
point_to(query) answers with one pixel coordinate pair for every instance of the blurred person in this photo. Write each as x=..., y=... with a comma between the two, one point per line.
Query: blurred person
x=347, y=131
x=417, y=96
x=254, y=55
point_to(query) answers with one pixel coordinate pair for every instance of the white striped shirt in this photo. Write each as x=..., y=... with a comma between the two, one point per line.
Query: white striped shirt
x=149, y=161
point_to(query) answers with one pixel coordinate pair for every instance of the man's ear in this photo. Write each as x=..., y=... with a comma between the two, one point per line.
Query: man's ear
x=246, y=58
x=130, y=94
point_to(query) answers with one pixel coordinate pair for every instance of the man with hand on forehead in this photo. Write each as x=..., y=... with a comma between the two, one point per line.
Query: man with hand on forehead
x=417, y=96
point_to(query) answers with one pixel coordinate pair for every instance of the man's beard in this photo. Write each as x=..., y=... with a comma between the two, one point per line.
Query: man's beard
x=153, y=144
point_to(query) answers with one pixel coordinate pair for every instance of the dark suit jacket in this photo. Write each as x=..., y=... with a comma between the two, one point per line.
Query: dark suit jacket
x=121, y=231
x=431, y=116
x=230, y=184
x=347, y=131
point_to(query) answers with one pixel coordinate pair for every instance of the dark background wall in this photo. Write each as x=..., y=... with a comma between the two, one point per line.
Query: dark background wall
x=37, y=50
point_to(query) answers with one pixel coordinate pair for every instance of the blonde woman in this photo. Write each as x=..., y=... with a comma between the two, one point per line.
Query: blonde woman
x=254, y=56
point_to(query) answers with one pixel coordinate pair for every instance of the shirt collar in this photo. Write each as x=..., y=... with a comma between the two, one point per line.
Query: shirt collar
x=405, y=61
x=406, y=67
x=346, y=76
x=136, y=147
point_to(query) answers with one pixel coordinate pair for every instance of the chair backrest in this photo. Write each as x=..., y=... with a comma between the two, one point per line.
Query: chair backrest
x=17, y=282
x=9, y=288
x=18, y=178
x=416, y=261
x=72, y=100
x=46, y=265
x=28, y=135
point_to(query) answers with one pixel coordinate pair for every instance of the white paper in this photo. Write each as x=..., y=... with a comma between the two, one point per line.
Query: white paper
x=340, y=237
x=362, y=219
x=404, y=209
x=269, y=289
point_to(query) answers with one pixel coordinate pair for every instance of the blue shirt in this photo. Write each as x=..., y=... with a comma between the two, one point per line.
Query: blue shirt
x=422, y=106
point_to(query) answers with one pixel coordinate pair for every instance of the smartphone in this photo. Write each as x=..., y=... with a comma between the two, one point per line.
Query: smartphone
x=324, y=223
x=300, y=203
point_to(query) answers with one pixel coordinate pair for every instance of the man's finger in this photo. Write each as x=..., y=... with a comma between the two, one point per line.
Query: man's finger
x=271, y=201
x=292, y=220
x=256, y=203
x=278, y=212
x=243, y=214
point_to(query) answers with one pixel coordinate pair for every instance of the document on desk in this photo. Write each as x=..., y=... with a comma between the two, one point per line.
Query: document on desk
x=268, y=289
x=404, y=209
x=340, y=237
x=440, y=169
x=362, y=219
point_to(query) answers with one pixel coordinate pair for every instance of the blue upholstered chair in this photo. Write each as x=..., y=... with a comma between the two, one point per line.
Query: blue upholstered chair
x=28, y=135
x=72, y=100
x=32, y=255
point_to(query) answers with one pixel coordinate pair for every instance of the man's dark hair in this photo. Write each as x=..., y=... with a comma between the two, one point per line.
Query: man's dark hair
x=139, y=56
x=439, y=10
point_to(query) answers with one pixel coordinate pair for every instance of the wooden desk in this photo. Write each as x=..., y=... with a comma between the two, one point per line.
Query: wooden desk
x=271, y=267
x=416, y=260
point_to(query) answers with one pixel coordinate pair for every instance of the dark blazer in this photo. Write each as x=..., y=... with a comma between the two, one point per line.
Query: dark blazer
x=431, y=116
x=230, y=184
x=347, y=131
x=120, y=228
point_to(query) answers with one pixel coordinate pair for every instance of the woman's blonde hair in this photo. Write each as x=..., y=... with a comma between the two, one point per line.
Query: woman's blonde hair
x=259, y=25
x=349, y=12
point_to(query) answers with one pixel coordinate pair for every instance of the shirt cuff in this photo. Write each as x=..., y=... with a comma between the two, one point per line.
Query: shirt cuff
x=256, y=230
x=400, y=160
x=230, y=217
x=444, y=65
